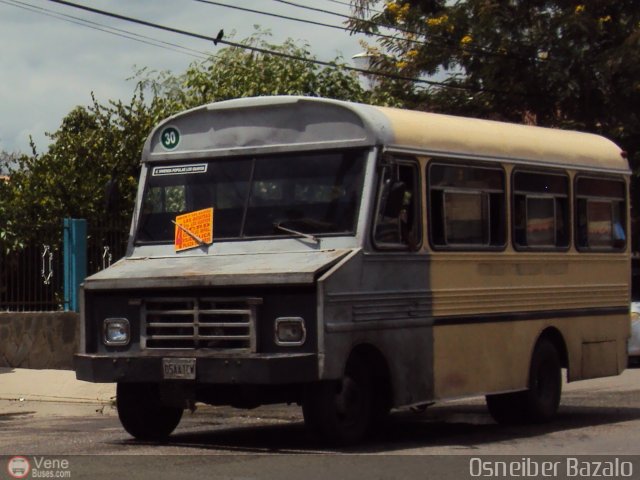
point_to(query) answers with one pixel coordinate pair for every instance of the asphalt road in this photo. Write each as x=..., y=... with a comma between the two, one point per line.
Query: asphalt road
x=597, y=417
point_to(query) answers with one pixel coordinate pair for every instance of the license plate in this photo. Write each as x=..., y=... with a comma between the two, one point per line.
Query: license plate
x=179, y=368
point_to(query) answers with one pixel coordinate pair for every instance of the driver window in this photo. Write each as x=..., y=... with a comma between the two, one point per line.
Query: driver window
x=397, y=218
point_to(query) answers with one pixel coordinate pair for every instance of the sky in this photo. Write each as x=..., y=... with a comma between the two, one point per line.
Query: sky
x=50, y=65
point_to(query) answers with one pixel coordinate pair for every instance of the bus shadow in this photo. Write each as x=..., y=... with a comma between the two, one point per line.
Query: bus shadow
x=467, y=428
x=461, y=427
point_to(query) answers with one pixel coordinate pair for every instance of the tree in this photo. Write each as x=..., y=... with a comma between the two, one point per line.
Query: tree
x=7, y=161
x=100, y=145
x=93, y=144
x=556, y=63
x=238, y=72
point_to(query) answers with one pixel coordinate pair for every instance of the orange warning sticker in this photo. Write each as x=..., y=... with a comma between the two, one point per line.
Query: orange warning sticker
x=194, y=229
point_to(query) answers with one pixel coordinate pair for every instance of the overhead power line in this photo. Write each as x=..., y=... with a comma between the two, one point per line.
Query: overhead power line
x=466, y=48
x=316, y=9
x=302, y=20
x=338, y=2
x=276, y=53
x=348, y=17
x=106, y=29
x=476, y=50
x=250, y=47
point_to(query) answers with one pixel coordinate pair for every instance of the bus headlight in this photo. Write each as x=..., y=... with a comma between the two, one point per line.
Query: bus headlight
x=116, y=331
x=290, y=331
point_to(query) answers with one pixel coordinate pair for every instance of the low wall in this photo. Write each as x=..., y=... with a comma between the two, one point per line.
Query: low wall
x=39, y=340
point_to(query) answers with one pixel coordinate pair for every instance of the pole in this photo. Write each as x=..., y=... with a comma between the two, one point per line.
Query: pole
x=75, y=261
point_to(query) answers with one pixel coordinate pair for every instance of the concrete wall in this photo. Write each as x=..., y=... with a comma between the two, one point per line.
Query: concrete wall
x=39, y=340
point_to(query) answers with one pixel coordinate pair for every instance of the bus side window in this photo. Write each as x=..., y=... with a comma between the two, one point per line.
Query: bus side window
x=600, y=214
x=466, y=207
x=397, y=219
x=540, y=210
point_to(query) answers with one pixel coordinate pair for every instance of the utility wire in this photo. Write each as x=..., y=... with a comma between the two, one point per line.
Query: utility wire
x=127, y=34
x=266, y=51
x=302, y=20
x=338, y=27
x=246, y=47
x=466, y=48
x=107, y=29
x=348, y=17
x=338, y=2
x=321, y=10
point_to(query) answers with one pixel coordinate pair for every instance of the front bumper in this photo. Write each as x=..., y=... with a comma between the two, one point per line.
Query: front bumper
x=256, y=369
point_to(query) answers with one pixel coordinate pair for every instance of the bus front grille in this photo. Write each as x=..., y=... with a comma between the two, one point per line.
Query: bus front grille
x=192, y=323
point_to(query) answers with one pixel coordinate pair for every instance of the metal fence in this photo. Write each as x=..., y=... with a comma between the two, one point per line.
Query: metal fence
x=32, y=278
x=106, y=244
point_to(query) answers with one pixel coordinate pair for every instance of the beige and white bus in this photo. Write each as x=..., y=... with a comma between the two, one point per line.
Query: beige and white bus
x=354, y=259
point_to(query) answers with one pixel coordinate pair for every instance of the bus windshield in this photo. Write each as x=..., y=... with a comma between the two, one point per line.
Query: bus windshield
x=311, y=193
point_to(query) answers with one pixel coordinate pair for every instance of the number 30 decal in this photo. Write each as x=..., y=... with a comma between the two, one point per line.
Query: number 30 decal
x=170, y=138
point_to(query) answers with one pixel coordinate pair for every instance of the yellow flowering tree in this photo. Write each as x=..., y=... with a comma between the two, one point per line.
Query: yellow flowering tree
x=559, y=63
x=552, y=62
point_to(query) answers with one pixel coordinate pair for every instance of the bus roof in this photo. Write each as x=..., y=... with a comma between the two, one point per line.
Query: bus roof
x=276, y=124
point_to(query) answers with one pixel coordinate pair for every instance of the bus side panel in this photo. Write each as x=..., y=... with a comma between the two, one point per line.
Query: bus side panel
x=494, y=357
x=491, y=309
x=472, y=359
x=380, y=302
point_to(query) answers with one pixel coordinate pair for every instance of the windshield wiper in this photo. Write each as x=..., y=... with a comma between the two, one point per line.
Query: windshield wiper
x=200, y=241
x=308, y=236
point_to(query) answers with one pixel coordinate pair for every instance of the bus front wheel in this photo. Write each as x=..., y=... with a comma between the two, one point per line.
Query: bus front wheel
x=539, y=403
x=342, y=412
x=142, y=414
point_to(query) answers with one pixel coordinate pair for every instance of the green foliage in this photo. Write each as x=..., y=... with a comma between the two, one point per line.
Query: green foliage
x=103, y=142
x=7, y=161
x=235, y=73
x=92, y=144
x=557, y=63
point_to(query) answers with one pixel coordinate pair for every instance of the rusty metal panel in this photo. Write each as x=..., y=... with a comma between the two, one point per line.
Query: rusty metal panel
x=290, y=268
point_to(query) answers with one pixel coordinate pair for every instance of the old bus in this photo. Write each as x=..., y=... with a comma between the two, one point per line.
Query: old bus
x=353, y=259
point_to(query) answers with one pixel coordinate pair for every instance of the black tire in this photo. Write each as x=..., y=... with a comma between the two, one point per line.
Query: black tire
x=381, y=404
x=342, y=412
x=545, y=383
x=142, y=413
x=539, y=403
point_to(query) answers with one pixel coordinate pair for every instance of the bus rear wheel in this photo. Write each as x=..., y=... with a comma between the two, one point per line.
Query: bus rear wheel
x=142, y=414
x=342, y=412
x=539, y=403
